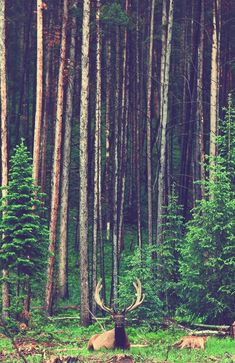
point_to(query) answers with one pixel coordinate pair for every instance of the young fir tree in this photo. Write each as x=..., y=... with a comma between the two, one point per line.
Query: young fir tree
x=208, y=252
x=25, y=237
x=168, y=252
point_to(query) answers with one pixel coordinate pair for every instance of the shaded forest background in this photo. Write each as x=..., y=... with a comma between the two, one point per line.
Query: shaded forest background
x=119, y=104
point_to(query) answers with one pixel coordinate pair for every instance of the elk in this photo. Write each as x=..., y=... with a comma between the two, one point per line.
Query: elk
x=115, y=338
x=192, y=341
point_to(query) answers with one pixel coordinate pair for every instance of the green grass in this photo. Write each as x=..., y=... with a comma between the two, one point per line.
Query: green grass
x=68, y=339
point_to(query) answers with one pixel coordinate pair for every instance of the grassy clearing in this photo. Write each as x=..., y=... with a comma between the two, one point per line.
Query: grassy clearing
x=71, y=341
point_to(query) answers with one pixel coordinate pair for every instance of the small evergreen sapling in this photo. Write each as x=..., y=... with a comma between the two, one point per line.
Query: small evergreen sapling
x=141, y=265
x=23, y=230
x=168, y=253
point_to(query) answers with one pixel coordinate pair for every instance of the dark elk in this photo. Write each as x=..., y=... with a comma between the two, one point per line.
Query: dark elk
x=115, y=338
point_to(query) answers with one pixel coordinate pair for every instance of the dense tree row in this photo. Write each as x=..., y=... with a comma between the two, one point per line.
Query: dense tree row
x=119, y=103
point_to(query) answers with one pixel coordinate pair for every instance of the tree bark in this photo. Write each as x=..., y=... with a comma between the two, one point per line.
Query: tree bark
x=163, y=126
x=46, y=110
x=116, y=169
x=149, y=133
x=199, y=138
x=83, y=162
x=214, y=91
x=97, y=153
x=4, y=139
x=56, y=165
x=107, y=137
x=124, y=126
x=39, y=93
x=64, y=215
x=137, y=129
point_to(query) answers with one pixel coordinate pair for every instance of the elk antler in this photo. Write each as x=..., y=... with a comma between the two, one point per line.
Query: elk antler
x=98, y=299
x=139, y=296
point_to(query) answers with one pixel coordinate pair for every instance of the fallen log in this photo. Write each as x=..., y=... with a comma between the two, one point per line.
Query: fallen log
x=62, y=317
x=210, y=330
x=65, y=307
x=209, y=333
x=217, y=327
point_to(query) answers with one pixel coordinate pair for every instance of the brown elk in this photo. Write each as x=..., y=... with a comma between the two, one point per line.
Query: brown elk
x=192, y=341
x=115, y=338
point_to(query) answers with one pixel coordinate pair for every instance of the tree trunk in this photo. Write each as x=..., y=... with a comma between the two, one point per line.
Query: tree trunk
x=107, y=137
x=64, y=215
x=137, y=129
x=199, y=139
x=97, y=161
x=124, y=126
x=39, y=93
x=56, y=165
x=115, y=191
x=46, y=110
x=163, y=127
x=149, y=133
x=83, y=162
x=214, y=92
x=27, y=301
x=4, y=139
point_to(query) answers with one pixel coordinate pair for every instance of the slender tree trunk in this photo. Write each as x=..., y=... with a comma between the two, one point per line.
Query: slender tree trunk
x=99, y=91
x=48, y=90
x=63, y=253
x=97, y=161
x=39, y=93
x=149, y=133
x=56, y=164
x=38, y=120
x=124, y=122
x=163, y=126
x=199, y=142
x=214, y=98
x=163, y=55
x=27, y=301
x=115, y=191
x=45, y=127
x=137, y=138
x=83, y=162
x=189, y=110
x=107, y=137
x=4, y=139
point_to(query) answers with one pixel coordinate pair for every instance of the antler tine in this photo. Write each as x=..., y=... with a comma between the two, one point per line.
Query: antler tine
x=139, y=296
x=98, y=299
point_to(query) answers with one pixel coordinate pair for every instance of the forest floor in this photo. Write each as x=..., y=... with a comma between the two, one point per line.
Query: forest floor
x=67, y=343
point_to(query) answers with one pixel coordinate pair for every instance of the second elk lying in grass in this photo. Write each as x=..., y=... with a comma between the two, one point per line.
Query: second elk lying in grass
x=115, y=338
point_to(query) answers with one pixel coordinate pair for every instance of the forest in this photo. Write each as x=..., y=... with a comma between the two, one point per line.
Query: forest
x=117, y=212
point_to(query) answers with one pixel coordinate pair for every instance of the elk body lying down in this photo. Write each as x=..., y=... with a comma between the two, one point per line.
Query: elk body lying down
x=115, y=338
x=111, y=339
x=192, y=342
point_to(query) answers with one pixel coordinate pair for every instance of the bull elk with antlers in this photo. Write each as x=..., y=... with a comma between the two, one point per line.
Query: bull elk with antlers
x=115, y=338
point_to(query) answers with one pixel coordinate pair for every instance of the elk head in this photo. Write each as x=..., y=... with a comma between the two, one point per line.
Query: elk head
x=117, y=337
